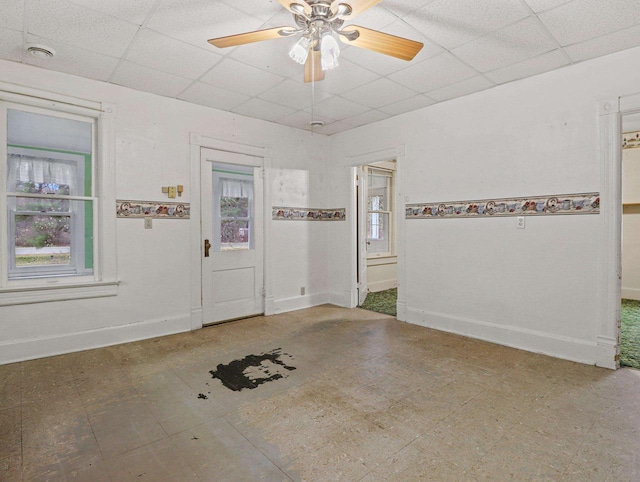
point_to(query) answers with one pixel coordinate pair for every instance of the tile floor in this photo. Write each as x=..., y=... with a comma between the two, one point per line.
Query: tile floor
x=371, y=399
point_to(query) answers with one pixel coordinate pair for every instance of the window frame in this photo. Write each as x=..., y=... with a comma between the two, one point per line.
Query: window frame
x=222, y=171
x=390, y=174
x=104, y=280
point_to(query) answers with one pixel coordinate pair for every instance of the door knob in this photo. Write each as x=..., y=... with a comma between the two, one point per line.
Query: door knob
x=207, y=246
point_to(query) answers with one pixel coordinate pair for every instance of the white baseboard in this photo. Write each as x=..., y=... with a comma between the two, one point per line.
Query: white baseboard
x=524, y=339
x=631, y=293
x=299, y=302
x=607, y=353
x=382, y=285
x=29, y=349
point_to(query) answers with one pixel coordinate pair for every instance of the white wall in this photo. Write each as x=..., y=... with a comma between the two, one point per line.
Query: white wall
x=536, y=288
x=631, y=224
x=153, y=150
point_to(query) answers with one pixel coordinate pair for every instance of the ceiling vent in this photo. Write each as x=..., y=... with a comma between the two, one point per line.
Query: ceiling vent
x=40, y=51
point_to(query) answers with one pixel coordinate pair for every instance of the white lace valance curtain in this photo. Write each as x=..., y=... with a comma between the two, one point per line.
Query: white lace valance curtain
x=40, y=169
x=236, y=188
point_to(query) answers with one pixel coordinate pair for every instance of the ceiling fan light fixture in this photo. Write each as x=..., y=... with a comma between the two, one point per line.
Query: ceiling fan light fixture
x=329, y=52
x=300, y=50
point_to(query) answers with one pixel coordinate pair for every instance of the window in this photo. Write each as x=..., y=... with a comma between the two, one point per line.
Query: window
x=233, y=207
x=379, y=211
x=54, y=190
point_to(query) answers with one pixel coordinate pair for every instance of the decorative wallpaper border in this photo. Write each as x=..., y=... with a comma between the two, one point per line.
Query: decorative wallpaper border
x=631, y=140
x=586, y=203
x=308, y=214
x=152, y=209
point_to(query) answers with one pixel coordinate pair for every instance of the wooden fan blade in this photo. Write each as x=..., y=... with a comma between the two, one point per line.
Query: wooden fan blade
x=248, y=37
x=384, y=43
x=357, y=6
x=313, y=67
x=287, y=4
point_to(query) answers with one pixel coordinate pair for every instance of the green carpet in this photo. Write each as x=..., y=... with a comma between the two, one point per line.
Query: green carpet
x=630, y=334
x=382, y=302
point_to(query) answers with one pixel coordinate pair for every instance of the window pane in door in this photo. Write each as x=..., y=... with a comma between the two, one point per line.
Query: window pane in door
x=377, y=233
x=233, y=207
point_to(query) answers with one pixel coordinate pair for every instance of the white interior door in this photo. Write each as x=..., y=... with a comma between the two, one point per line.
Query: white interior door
x=362, y=234
x=232, y=235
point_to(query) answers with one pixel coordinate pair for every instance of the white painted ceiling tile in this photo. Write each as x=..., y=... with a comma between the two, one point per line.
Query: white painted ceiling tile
x=582, y=20
x=137, y=76
x=333, y=128
x=373, y=18
x=542, y=5
x=133, y=11
x=453, y=23
x=80, y=26
x=402, y=8
x=73, y=60
x=302, y=120
x=379, y=93
x=262, y=9
x=434, y=73
x=211, y=96
x=170, y=55
x=11, y=14
x=238, y=77
x=345, y=77
x=196, y=21
x=337, y=108
x=385, y=64
x=465, y=87
x=368, y=117
x=517, y=42
x=407, y=105
x=543, y=63
x=262, y=109
x=271, y=56
x=614, y=42
x=11, y=45
x=296, y=95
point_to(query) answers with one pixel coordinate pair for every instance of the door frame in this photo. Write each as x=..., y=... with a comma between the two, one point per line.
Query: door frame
x=352, y=163
x=197, y=142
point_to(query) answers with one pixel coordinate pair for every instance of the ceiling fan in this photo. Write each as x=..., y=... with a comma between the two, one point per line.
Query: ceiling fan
x=317, y=21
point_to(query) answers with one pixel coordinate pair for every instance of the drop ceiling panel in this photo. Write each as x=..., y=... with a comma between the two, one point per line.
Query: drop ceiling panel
x=379, y=93
x=196, y=21
x=11, y=44
x=614, y=42
x=465, y=87
x=130, y=10
x=79, y=26
x=453, y=23
x=238, y=77
x=211, y=96
x=542, y=5
x=431, y=74
x=160, y=52
x=543, y=63
x=581, y=20
x=74, y=60
x=12, y=14
x=520, y=41
x=160, y=46
x=294, y=94
x=262, y=109
x=133, y=75
x=302, y=120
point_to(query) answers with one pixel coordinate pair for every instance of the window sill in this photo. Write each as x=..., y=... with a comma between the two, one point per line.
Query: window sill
x=43, y=294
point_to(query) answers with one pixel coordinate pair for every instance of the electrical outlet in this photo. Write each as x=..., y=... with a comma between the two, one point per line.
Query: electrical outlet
x=302, y=290
x=172, y=192
x=520, y=222
x=148, y=223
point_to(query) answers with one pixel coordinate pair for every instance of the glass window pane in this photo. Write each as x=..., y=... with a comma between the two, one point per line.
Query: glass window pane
x=43, y=205
x=234, y=207
x=234, y=234
x=42, y=240
x=377, y=233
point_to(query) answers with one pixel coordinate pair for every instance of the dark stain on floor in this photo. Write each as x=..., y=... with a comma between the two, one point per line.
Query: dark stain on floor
x=252, y=370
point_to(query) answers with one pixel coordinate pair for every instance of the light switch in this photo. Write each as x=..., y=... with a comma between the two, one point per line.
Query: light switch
x=172, y=192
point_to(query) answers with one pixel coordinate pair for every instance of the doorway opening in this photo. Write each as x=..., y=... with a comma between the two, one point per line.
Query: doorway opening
x=630, y=259
x=376, y=240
